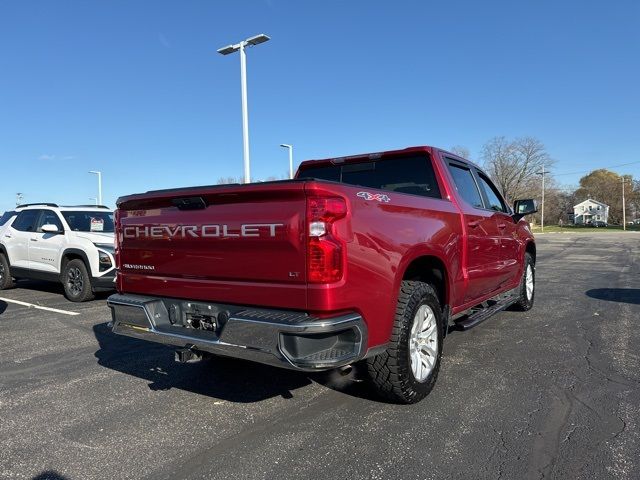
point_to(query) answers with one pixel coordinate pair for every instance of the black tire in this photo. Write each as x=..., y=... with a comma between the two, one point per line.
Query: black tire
x=391, y=372
x=77, y=282
x=6, y=281
x=525, y=302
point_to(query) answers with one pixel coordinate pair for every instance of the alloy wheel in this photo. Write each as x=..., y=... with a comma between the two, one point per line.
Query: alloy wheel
x=423, y=343
x=75, y=282
x=529, y=282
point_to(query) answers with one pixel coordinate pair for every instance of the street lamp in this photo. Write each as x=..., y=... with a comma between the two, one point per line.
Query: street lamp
x=290, y=147
x=249, y=42
x=99, y=174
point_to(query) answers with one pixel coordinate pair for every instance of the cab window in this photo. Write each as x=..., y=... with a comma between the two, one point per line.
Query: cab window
x=412, y=174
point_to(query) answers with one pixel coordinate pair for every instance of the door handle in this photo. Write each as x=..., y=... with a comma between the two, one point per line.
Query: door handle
x=33, y=239
x=7, y=235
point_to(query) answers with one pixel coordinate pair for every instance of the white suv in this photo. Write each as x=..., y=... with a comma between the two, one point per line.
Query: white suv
x=69, y=245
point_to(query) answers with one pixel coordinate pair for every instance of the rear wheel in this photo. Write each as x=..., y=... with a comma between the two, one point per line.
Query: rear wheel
x=527, y=285
x=76, y=281
x=407, y=371
x=6, y=281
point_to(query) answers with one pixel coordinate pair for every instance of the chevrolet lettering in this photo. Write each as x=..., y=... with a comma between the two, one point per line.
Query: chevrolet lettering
x=201, y=231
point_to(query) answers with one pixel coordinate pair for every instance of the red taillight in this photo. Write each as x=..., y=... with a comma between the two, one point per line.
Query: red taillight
x=325, y=251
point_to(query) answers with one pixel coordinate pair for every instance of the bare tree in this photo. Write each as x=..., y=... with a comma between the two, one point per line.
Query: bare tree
x=461, y=151
x=513, y=164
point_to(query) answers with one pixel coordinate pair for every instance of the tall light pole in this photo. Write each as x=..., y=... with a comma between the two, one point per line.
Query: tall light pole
x=99, y=174
x=258, y=39
x=95, y=200
x=290, y=147
x=543, y=173
x=19, y=198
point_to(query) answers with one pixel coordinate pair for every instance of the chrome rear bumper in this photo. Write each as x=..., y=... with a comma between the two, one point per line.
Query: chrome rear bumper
x=276, y=337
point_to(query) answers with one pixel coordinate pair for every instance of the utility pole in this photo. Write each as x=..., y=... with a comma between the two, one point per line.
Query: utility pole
x=624, y=211
x=542, y=209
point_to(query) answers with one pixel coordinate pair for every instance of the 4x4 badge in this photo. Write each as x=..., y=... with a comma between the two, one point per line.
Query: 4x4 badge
x=379, y=197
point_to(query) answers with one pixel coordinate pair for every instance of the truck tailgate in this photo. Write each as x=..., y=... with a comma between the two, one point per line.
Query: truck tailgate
x=209, y=242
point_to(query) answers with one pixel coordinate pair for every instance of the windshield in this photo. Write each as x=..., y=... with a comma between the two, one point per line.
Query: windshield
x=98, y=222
x=6, y=216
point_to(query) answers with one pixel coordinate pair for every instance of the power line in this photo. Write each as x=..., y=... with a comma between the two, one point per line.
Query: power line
x=589, y=171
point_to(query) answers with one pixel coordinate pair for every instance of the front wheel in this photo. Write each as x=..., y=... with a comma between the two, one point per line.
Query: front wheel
x=407, y=370
x=527, y=285
x=76, y=281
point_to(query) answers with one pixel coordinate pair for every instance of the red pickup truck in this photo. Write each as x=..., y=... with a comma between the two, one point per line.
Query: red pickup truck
x=364, y=258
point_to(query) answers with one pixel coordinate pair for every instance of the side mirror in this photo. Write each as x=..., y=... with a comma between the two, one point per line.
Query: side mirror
x=49, y=228
x=524, y=207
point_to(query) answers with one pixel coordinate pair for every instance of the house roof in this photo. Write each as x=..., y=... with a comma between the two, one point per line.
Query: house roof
x=590, y=200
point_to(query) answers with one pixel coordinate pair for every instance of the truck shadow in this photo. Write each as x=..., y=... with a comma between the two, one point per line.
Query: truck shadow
x=622, y=295
x=227, y=379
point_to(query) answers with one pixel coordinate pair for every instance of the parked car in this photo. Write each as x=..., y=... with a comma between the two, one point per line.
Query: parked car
x=70, y=245
x=364, y=258
x=599, y=223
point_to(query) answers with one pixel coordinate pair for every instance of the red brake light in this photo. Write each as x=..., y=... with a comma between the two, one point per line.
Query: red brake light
x=325, y=251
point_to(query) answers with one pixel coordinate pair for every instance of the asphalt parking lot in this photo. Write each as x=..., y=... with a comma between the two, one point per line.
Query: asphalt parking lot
x=551, y=393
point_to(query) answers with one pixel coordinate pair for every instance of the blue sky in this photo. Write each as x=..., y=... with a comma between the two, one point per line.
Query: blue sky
x=137, y=90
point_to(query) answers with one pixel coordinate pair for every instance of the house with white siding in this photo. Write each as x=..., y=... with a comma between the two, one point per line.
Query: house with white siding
x=590, y=211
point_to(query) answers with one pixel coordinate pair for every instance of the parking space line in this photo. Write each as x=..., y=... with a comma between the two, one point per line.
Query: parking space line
x=31, y=305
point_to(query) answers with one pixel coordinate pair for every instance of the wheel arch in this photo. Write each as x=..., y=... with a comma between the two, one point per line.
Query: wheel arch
x=430, y=269
x=72, y=254
x=530, y=248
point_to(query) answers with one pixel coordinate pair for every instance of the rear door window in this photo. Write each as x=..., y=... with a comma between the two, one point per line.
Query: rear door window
x=466, y=185
x=26, y=220
x=407, y=174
